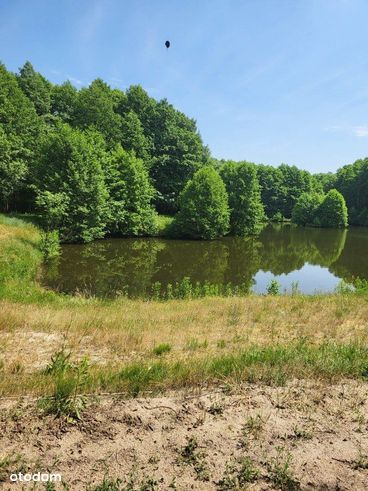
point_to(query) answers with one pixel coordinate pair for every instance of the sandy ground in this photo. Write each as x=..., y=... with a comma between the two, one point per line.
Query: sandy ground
x=306, y=435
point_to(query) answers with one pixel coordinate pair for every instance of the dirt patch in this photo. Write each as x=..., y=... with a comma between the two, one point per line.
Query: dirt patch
x=305, y=435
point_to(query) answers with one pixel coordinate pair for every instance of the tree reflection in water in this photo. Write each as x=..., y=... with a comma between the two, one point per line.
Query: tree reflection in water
x=105, y=268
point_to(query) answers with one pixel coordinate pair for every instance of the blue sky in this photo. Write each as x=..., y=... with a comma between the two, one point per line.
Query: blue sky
x=268, y=81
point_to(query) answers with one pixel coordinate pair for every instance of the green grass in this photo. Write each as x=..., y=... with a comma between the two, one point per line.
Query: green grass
x=273, y=365
x=21, y=263
x=162, y=348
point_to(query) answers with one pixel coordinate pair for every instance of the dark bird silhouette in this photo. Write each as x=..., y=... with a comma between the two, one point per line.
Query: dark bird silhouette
x=167, y=44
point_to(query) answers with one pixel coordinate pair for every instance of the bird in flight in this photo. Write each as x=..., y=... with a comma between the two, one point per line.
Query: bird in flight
x=167, y=44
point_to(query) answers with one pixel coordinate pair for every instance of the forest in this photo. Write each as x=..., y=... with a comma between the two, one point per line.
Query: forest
x=102, y=162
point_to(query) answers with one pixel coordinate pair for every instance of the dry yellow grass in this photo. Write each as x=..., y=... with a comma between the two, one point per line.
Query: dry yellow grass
x=127, y=330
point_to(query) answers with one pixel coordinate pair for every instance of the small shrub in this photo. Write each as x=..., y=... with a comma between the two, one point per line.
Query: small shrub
x=252, y=427
x=107, y=485
x=238, y=475
x=191, y=456
x=216, y=408
x=273, y=287
x=280, y=473
x=50, y=244
x=67, y=399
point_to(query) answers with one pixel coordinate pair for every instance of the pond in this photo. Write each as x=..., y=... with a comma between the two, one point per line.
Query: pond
x=314, y=260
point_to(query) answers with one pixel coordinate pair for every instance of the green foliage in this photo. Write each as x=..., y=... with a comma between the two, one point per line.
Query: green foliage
x=172, y=151
x=36, y=88
x=278, y=217
x=95, y=108
x=178, y=153
x=352, y=182
x=270, y=180
x=204, y=211
x=63, y=101
x=281, y=188
x=70, y=183
x=246, y=209
x=13, y=169
x=332, y=212
x=186, y=289
x=305, y=209
x=294, y=182
x=133, y=137
x=50, y=244
x=60, y=363
x=326, y=181
x=53, y=208
x=273, y=288
x=164, y=225
x=131, y=195
x=20, y=130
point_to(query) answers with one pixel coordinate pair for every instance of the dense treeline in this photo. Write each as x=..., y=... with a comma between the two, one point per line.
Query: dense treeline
x=100, y=161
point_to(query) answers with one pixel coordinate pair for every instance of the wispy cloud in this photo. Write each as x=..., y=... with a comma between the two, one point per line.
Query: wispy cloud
x=91, y=21
x=359, y=131
x=74, y=80
x=115, y=79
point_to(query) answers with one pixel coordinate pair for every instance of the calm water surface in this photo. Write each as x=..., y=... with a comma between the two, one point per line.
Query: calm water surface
x=317, y=259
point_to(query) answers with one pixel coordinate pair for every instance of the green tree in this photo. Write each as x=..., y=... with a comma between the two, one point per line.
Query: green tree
x=63, y=101
x=20, y=133
x=352, y=182
x=70, y=170
x=131, y=195
x=53, y=208
x=133, y=137
x=246, y=208
x=178, y=153
x=204, y=211
x=333, y=211
x=270, y=180
x=326, y=180
x=95, y=107
x=305, y=209
x=294, y=183
x=13, y=168
x=136, y=99
x=36, y=88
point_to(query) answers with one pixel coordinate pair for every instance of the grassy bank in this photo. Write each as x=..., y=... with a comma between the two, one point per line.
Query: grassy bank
x=135, y=346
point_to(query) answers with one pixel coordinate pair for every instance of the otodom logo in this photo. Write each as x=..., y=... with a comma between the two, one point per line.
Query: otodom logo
x=36, y=477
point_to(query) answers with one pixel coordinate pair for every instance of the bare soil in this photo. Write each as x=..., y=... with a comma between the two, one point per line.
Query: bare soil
x=306, y=435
